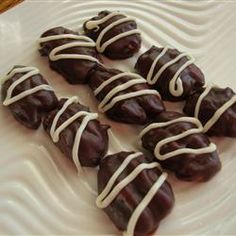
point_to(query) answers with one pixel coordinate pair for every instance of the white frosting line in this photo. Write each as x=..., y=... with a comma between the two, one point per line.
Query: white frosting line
x=118, y=89
x=218, y=113
x=56, y=54
x=122, y=184
x=84, y=123
x=113, y=78
x=102, y=48
x=209, y=149
x=175, y=85
x=110, y=191
x=200, y=99
x=67, y=123
x=160, y=144
x=95, y=24
x=27, y=93
x=153, y=80
x=106, y=29
x=58, y=115
x=19, y=81
x=122, y=97
x=112, y=98
x=55, y=132
x=65, y=36
x=19, y=70
x=114, y=177
x=91, y=24
x=167, y=123
x=143, y=204
x=30, y=71
x=165, y=66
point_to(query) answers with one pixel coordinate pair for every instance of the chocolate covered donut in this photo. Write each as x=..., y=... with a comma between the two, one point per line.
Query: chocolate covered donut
x=28, y=95
x=77, y=132
x=70, y=54
x=124, y=96
x=133, y=192
x=171, y=72
x=116, y=35
x=216, y=109
x=178, y=143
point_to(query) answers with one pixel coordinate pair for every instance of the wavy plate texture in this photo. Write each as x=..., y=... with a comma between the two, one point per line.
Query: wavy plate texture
x=40, y=192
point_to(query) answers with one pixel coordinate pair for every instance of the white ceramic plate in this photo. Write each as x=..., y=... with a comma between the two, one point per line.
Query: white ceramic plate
x=40, y=192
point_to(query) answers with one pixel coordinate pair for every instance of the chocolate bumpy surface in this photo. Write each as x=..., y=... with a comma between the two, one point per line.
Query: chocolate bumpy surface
x=216, y=98
x=191, y=77
x=135, y=110
x=186, y=166
x=73, y=70
x=94, y=140
x=29, y=110
x=128, y=199
x=123, y=48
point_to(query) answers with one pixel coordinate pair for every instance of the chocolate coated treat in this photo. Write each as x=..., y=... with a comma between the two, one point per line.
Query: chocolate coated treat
x=126, y=98
x=116, y=35
x=145, y=197
x=70, y=54
x=85, y=147
x=216, y=109
x=174, y=78
x=179, y=145
x=28, y=95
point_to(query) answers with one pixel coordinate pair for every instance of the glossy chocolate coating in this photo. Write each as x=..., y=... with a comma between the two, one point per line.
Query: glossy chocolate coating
x=192, y=77
x=217, y=97
x=122, y=207
x=94, y=140
x=29, y=110
x=73, y=70
x=189, y=167
x=123, y=48
x=137, y=110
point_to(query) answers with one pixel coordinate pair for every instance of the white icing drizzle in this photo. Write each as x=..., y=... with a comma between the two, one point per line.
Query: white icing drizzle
x=29, y=72
x=56, y=54
x=218, y=113
x=122, y=97
x=175, y=85
x=109, y=193
x=209, y=149
x=94, y=24
x=143, y=204
x=55, y=132
x=200, y=99
x=112, y=98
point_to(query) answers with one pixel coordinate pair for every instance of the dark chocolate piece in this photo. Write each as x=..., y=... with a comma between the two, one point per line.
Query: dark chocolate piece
x=177, y=142
x=216, y=109
x=73, y=62
x=92, y=140
x=122, y=45
x=136, y=108
x=143, y=201
x=187, y=81
x=28, y=95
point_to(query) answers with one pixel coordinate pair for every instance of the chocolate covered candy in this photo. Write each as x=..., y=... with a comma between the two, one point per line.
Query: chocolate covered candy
x=28, y=95
x=77, y=132
x=70, y=54
x=124, y=96
x=133, y=192
x=171, y=72
x=116, y=35
x=179, y=144
x=216, y=109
